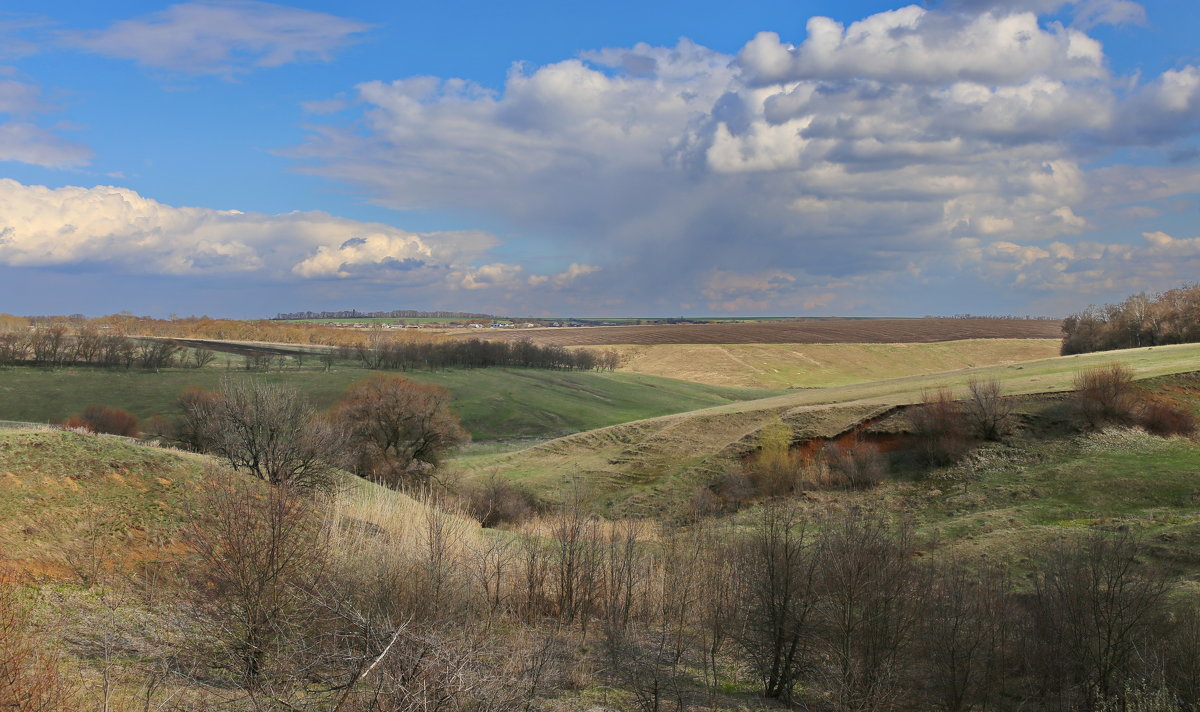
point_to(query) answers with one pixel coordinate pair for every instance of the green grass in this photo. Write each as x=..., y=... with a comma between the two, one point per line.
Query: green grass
x=493, y=403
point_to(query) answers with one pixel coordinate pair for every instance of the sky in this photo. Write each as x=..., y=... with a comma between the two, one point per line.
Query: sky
x=559, y=158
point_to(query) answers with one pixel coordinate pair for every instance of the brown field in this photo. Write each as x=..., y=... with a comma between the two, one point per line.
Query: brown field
x=800, y=331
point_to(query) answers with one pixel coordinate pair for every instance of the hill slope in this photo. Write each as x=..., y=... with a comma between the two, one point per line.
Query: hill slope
x=647, y=466
x=493, y=403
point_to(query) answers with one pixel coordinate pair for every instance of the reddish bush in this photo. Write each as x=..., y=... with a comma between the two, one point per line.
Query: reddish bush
x=1165, y=420
x=114, y=421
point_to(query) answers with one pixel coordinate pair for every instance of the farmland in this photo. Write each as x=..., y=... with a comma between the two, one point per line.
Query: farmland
x=493, y=403
x=821, y=365
x=796, y=331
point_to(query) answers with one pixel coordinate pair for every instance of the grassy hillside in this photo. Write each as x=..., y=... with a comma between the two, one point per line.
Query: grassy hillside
x=647, y=466
x=70, y=503
x=493, y=403
x=821, y=365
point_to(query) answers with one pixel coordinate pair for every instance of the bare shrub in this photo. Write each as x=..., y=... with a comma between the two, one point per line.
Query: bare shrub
x=254, y=547
x=112, y=421
x=30, y=676
x=267, y=431
x=1106, y=395
x=869, y=592
x=859, y=466
x=400, y=427
x=776, y=589
x=1094, y=615
x=989, y=415
x=968, y=628
x=1181, y=652
x=158, y=427
x=497, y=501
x=939, y=428
x=1166, y=420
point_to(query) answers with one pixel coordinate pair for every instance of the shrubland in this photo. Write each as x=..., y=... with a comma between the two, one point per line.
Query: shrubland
x=994, y=552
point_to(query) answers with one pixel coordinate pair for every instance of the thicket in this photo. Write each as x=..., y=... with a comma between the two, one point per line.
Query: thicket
x=409, y=355
x=289, y=602
x=1172, y=317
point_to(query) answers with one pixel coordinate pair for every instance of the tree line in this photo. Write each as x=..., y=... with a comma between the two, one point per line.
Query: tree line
x=380, y=352
x=1171, y=317
x=58, y=345
x=393, y=314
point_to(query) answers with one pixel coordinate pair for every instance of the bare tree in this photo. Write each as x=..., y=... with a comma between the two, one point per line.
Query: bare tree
x=870, y=590
x=988, y=413
x=967, y=629
x=777, y=594
x=1094, y=614
x=268, y=431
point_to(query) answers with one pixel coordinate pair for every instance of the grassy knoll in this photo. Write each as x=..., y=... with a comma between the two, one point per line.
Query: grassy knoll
x=820, y=365
x=493, y=403
x=647, y=466
x=70, y=502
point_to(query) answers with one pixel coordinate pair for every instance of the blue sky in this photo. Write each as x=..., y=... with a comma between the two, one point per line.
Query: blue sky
x=243, y=158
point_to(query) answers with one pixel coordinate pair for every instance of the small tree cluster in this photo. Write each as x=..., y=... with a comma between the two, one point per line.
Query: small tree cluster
x=406, y=355
x=1172, y=317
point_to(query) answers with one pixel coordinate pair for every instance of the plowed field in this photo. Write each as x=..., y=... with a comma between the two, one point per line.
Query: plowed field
x=800, y=331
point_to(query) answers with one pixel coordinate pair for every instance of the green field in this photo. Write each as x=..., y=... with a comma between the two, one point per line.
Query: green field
x=493, y=403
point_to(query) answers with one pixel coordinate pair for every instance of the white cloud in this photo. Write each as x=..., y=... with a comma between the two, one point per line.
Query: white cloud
x=45, y=227
x=868, y=151
x=221, y=37
x=917, y=45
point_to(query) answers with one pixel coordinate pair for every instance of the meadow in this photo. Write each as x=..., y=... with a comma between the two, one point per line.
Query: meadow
x=493, y=403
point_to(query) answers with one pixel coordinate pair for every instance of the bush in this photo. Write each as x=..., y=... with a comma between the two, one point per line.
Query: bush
x=497, y=501
x=1165, y=420
x=939, y=428
x=989, y=415
x=102, y=419
x=860, y=466
x=774, y=469
x=1106, y=396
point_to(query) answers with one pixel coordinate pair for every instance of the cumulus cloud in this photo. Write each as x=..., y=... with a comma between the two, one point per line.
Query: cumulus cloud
x=221, y=37
x=917, y=45
x=1087, y=267
x=869, y=151
x=45, y=227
